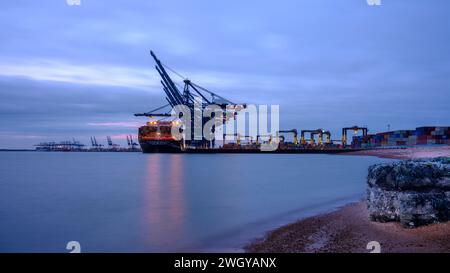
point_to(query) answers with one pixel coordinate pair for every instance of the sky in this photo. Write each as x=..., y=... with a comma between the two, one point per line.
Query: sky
x=69, y=71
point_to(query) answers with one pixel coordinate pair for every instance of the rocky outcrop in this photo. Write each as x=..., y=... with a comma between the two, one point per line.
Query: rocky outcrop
x=414, y=192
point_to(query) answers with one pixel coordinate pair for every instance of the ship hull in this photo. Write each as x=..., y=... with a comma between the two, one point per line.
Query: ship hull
x=277, y=151
x=157, y=146
x=160, y=146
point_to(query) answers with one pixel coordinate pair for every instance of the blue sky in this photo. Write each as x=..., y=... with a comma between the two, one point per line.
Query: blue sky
x=81, y=71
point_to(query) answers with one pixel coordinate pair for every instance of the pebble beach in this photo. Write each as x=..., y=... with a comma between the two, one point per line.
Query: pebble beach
x=349, y=228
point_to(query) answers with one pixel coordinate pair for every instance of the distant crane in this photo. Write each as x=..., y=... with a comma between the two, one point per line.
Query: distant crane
x=131, y=143
x=95, y=144
x=111, y=144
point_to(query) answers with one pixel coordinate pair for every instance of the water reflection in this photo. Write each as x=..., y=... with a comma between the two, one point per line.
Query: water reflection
x=169, y=203
x=165, y=200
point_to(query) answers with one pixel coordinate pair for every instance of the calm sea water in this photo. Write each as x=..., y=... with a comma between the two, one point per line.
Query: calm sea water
x=136, y=202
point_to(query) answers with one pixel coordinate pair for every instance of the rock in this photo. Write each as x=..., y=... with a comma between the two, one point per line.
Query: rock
x=443, y=183
x=416, y=209
x=383, y=205
x=414, y=192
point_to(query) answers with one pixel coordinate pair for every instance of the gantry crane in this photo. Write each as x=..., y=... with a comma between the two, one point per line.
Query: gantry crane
x=355, y=129
x=293, y=131
x=317, y=132
x=328, y=139
x=238, y=138
x=258, y=137
x=190, y=97
x=321, y=133
x=312, y=133
x=237, y=135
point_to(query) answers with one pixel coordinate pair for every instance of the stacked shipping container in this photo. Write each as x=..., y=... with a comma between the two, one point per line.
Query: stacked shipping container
x=420, y=136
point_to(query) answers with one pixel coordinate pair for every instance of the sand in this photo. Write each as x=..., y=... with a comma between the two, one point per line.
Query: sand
x=349, y=229
x=407, y=153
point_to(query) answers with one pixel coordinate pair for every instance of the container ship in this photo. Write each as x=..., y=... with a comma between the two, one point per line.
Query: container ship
x=156, y=137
